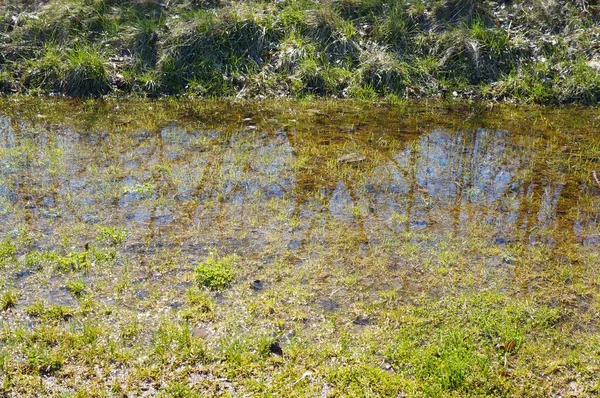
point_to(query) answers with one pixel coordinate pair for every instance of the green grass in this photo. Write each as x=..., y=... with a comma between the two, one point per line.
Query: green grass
x=76, y=288
x=112, y=235
x=412, y=49
x=215, y=273
x=86, y=72
x=8, y=251
x=8, y=299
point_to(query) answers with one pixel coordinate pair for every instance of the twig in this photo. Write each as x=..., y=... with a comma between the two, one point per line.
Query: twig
x=596, y=178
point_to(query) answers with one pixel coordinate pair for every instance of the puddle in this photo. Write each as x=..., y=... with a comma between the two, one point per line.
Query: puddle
x=204, y=182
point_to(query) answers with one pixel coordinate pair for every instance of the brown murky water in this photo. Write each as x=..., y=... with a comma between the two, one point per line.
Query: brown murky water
x=338, y=182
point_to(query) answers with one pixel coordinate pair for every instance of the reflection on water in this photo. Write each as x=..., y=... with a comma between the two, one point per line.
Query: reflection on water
x=281, y=185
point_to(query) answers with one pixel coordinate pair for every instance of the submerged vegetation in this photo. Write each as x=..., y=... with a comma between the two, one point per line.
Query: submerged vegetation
x=536, y=51
x=363, y=251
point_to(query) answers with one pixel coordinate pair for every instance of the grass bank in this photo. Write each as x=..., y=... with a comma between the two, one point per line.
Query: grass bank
x=527, y=51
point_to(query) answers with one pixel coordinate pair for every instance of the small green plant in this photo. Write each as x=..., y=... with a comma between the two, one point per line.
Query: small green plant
x=201, y=305
x=144, y=190
x=178, y=390
x=112, y=235
x=131, y=329
x=8, y=299
x=8, y=251
x=215, y=273
x=76, y=288
x=74, y=261
x=172, y=340
x=37, y=259
x=103, y=256
x=51, y=313
x=43, y=361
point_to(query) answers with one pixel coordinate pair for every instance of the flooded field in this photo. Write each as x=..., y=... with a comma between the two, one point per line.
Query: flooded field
x=325, y=249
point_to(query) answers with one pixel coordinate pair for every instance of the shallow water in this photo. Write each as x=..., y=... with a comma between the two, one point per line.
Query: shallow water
x=404, y=245
x=338, y=182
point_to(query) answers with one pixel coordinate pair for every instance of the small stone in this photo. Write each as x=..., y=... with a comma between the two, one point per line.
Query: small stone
x=257, y=285
x=275, y=348
x=594, y=64
x=501, y=241
x=351, y=158
x=330, y=305
x=362, y=320
x=294, y=244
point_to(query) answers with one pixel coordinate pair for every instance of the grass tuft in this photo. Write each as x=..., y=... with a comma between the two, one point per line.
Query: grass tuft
x=215, y=273
x=85, y=72
x=8, y=299
x=76, y=288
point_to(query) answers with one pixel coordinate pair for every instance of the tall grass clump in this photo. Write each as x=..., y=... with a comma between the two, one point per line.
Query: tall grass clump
x=144, y=42
x=85, y=73
x=8, y=299
x=45, y=72
x=382, y=71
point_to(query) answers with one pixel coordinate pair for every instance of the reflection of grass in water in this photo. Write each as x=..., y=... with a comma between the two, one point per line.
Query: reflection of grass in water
x=424, y=287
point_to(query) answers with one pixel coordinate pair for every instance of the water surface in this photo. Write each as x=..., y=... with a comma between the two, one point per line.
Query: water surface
x=332, y=205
